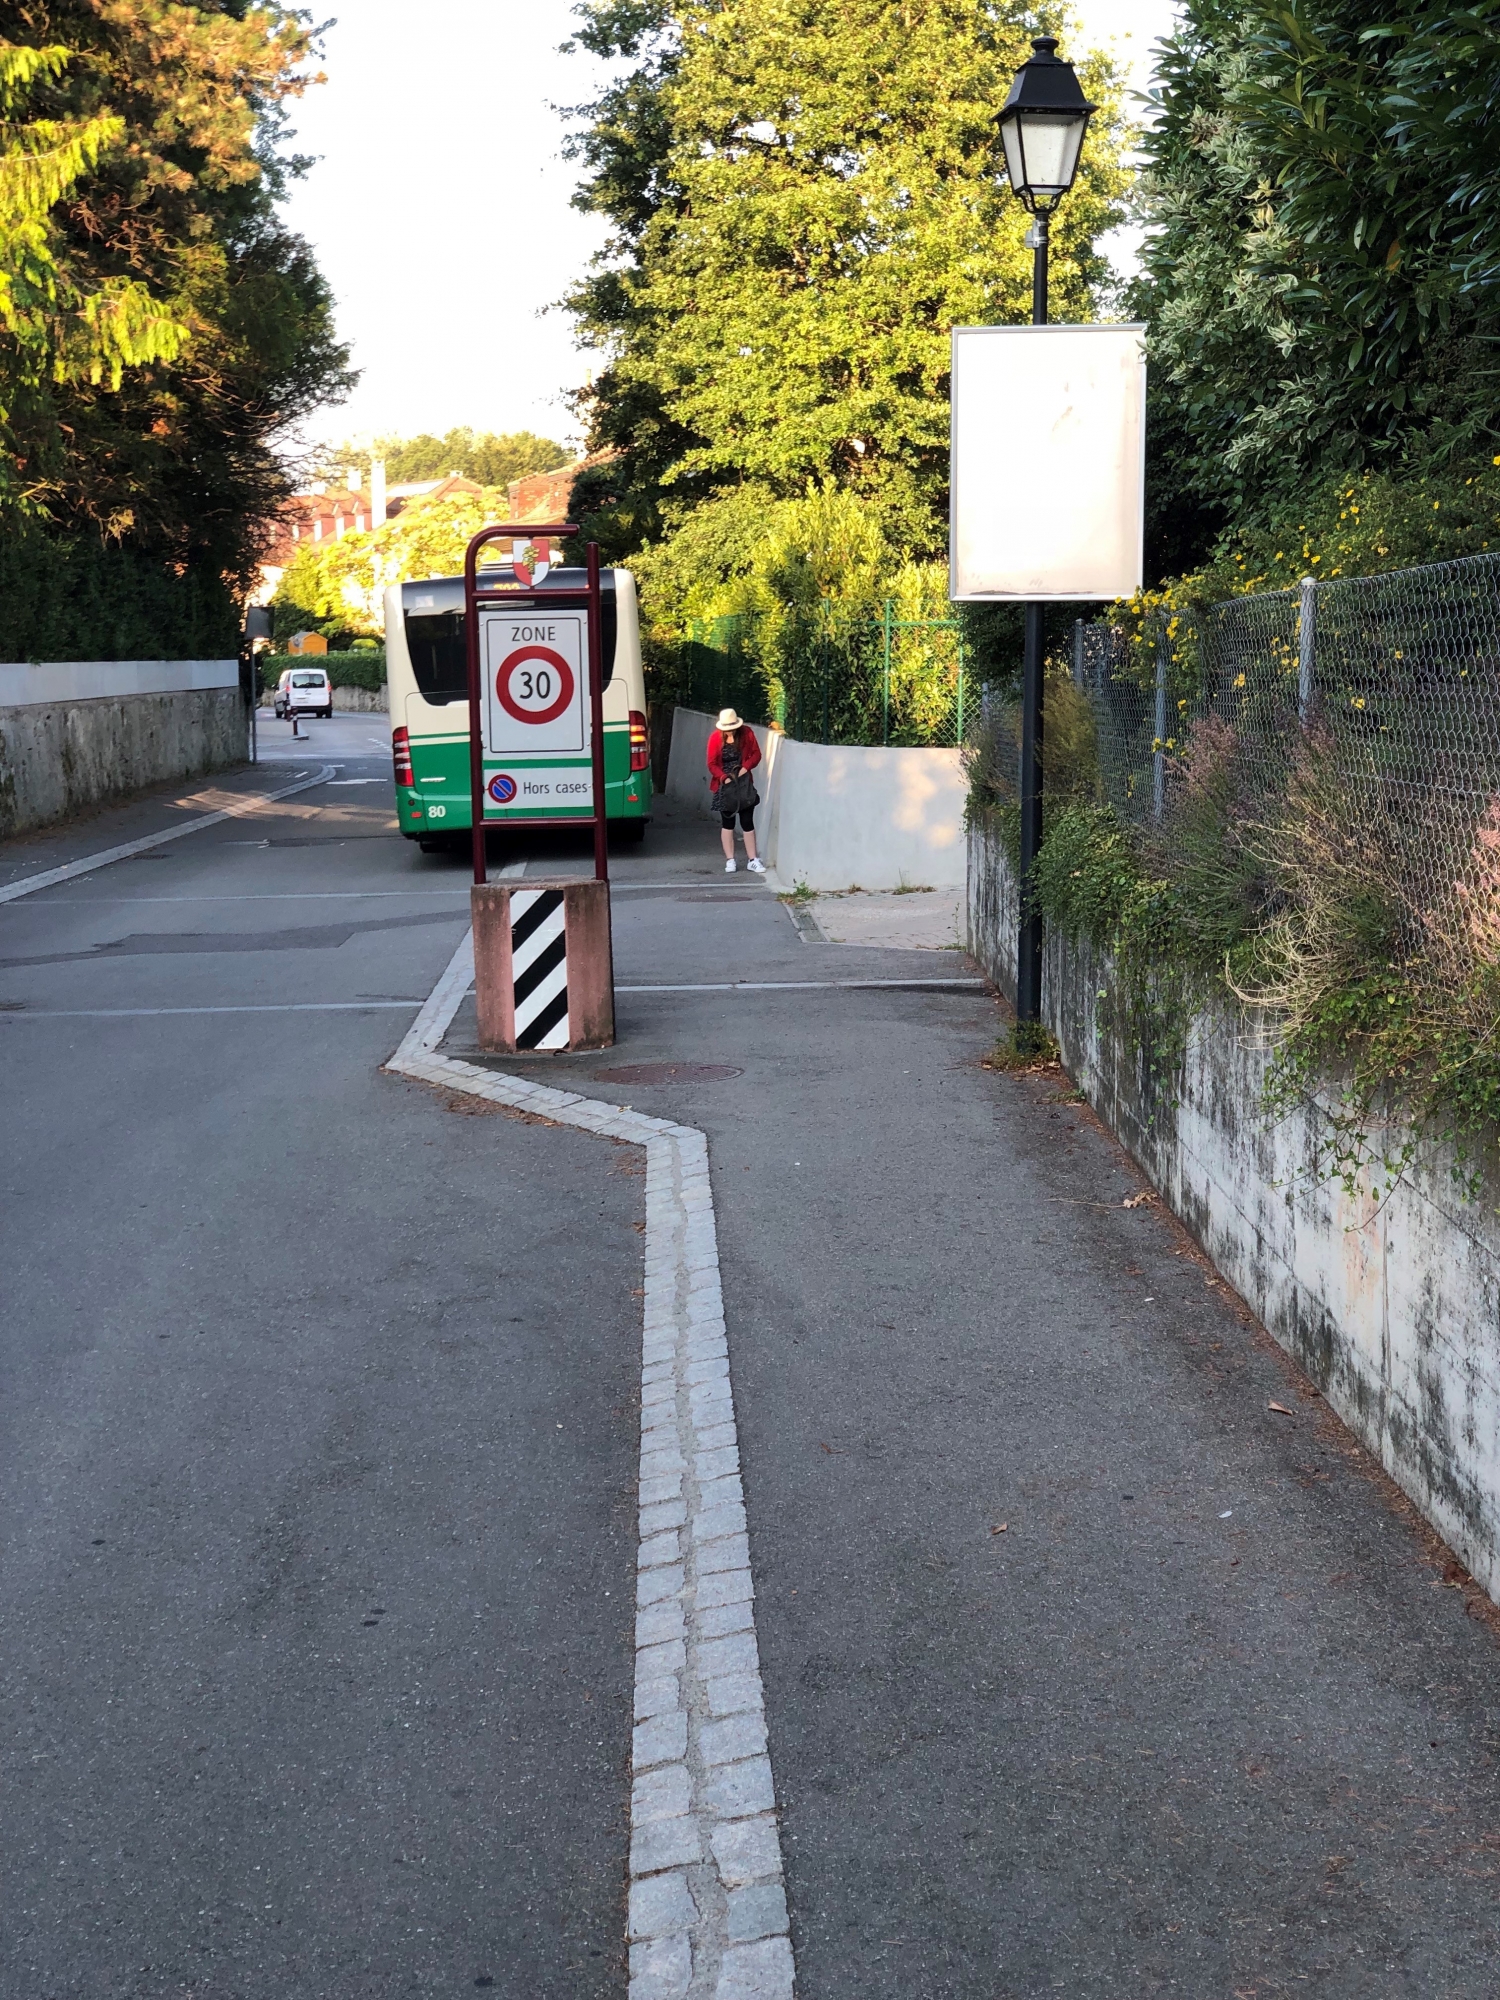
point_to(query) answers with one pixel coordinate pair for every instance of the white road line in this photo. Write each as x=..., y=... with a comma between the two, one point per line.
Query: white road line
x=619, y=887
x=707, y=1904
x=819, y=985
x=8, y=1013
x=248, y=804
x=258, y=896
x=509, y=872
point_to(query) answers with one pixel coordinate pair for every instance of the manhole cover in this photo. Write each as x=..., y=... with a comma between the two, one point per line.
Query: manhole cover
x=667, y=1073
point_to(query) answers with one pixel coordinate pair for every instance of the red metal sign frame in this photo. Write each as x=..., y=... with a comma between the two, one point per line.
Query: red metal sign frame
x=474, y=596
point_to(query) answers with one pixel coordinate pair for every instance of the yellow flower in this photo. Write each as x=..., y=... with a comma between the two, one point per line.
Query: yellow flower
x=1239, y=680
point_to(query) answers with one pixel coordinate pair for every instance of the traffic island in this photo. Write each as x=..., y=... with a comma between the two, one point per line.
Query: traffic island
x=543, y=966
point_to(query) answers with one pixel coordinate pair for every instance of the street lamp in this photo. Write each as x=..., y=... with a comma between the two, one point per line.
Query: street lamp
x=1042, y=129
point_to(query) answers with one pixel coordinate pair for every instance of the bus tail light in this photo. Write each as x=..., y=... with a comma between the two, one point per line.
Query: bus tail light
x=401, y=752
x=640, y=741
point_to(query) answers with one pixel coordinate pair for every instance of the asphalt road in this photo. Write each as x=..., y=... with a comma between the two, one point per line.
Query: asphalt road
x=317, y=1479
x=1086, y=1672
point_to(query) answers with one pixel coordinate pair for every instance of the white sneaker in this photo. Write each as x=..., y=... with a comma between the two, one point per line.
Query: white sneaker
x=756, y=867
x=728, y=867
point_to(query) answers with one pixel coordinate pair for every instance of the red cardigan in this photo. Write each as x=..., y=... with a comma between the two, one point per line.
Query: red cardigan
x=749, y=752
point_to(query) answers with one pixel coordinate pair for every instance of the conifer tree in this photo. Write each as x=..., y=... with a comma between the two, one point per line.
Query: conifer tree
x=59, y=324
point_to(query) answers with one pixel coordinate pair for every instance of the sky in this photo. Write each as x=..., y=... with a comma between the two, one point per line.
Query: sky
x=431, y=122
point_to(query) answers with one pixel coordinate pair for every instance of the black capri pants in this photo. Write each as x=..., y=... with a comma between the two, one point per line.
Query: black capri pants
x=747, y=820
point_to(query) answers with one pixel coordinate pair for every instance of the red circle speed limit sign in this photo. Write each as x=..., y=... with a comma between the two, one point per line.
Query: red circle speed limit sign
x=534, y=684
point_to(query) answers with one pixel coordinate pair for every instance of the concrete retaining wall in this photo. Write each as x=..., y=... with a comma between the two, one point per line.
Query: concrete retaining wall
x=1393, y=1311
x=59, y=755
x=841, y=818
x=838, y=818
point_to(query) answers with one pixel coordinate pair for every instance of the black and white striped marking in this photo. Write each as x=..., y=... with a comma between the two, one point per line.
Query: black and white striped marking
x=539, y=968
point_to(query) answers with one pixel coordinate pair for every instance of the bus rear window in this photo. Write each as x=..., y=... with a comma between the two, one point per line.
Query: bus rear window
x=435, y=645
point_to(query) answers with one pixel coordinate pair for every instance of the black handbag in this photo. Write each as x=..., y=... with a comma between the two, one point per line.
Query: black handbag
x=736, y=794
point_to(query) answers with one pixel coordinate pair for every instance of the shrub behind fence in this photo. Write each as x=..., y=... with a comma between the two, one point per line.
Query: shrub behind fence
x=826, y=677
x=1371, y=701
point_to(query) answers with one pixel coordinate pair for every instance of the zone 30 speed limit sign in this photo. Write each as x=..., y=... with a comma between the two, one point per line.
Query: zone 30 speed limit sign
x=536, y=678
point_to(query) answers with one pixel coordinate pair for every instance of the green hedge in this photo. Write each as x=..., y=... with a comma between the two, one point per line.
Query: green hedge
x=365, y=669
x=78, y=598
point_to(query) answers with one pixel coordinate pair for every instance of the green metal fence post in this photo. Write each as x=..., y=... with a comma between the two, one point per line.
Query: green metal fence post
x=960, y=690
x=823, y=649
x=885, y=680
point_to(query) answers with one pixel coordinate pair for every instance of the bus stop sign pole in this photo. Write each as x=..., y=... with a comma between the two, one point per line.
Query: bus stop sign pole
x=543, y=959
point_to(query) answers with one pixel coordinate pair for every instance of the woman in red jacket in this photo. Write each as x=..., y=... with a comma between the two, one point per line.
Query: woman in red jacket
x=733, y=754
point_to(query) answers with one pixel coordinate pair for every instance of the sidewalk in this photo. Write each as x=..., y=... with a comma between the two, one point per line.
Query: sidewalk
x=156, y=810
x=173, y=804
x=1087, y=1671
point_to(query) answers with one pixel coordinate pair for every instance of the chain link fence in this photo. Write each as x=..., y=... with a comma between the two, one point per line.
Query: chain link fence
x=1367, y=707
x=826, y=677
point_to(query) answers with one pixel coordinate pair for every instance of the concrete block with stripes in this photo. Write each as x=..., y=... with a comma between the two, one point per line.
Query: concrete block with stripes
x=543, y=966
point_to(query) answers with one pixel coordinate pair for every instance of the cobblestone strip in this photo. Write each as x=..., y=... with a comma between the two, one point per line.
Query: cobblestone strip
x=707, y=1911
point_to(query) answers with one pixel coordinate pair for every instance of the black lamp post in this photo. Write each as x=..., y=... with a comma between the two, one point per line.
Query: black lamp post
x=1042, y=127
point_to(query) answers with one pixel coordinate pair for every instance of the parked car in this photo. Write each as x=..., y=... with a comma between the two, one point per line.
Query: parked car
x=307, y=690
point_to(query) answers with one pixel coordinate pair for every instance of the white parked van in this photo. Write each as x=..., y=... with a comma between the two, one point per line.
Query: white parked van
x=305, y=690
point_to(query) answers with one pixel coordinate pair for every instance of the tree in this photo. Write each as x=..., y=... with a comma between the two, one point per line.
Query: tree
x=339, y=584
x=492, y=459
x=167, y=448
x=1324, y=246
x=60, y=324
x=804, y=201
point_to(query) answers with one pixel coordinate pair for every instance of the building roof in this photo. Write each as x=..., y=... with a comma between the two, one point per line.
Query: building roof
x=547, y=496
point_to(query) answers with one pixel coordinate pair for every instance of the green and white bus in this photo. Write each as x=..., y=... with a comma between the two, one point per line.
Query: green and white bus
x=427, y=679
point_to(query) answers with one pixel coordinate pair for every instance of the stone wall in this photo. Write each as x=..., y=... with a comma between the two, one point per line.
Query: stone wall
x=1393, y=1309
x=360, y=701
x=60, y=757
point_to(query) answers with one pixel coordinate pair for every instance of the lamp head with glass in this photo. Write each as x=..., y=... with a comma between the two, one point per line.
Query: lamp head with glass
x=1042, y=127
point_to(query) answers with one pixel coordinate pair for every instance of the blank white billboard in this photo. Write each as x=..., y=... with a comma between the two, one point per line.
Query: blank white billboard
x=1048, y=462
